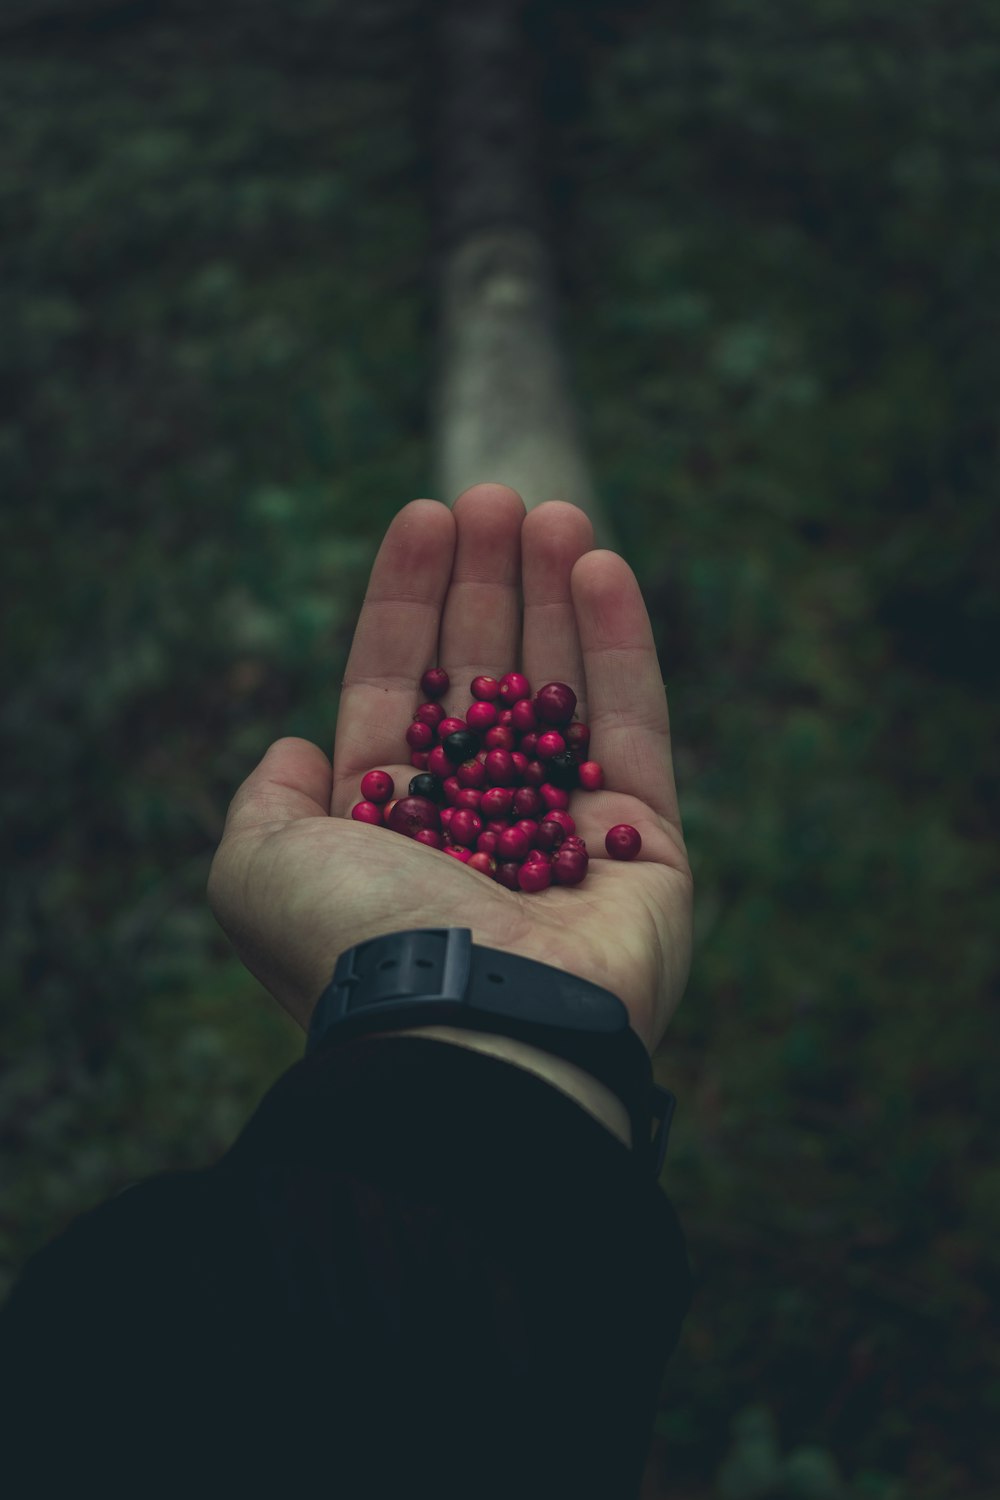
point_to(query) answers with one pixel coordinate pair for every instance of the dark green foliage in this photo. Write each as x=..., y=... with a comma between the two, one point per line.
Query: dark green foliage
x=778, y=242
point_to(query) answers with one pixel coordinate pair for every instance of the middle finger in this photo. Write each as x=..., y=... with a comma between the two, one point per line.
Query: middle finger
x=481, y=624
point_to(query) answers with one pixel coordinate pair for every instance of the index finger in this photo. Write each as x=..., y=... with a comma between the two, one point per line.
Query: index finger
x=629, y=718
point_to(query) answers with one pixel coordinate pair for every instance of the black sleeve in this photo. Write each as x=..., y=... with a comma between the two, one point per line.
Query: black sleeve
x=419, y=1269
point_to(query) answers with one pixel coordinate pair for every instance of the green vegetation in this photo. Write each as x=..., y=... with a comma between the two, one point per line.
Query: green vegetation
x=777, y=227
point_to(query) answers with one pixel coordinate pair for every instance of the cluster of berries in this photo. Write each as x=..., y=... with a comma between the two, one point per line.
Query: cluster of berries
x=493, y=788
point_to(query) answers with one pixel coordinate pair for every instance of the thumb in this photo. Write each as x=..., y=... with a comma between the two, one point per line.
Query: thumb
x=293, y=780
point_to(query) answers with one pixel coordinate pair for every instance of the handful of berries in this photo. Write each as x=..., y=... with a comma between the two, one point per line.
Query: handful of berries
x=493, y=789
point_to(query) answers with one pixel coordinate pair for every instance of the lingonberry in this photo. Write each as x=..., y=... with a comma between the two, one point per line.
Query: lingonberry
x=366, y=812
x=466, y=826
x=435, y=682
x=504, y=717
x=499, y=768
x=569, y=866
x=419, y=736
x=461, y=745
x=500, y=737
x=496, y=825
x=514, y=685
x=591, y=776
x=571, y=841
x=430, y=837
x=497, y=801
x=412, y=813
x=534, y=875
x=622, y=841
x=447, y=813
x=469, y=796
x=522, y=716
x=483, y=862
x=520, y=763
x=537, y=856
x=550, y=834
x=377, y=786
x=438, y=763
x=486, y=843
x=527, y=802
x=529, y=744
x=449, y=726
x=486, y=688
x=513, y=843
x=451, y=786
x=387, y=809
x=471, y=773
x=534, y=773
x=507, y=874
x=457, y=852
x=577, y=735
x=550, y=743
x=528, y=826
x=555, y=703
x=430, y=713
x=561, y=816
x=554, y=796
x=563, y=770
x=418, y=760
x=427, y=786
x=480, y=717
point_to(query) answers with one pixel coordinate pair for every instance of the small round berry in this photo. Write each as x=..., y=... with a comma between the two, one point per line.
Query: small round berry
x=522, y=716
x=555, y=703
x=500, y=737
x=554, y=796
x=591, y=776
x=435, y=682
x=561, y=816
x=471, y=773
x=469, y=796
x=499, y=768
x=458, y=852
x=462, y=745
x=577, y=735
x=480, y=717
x=418, y=760
x=366, y=812
x=529, y=744
x=563, y=770
x=535, y=773
x=497, y=801
x=485, y=688
x=622, y=841
x=438, y=763
x=447, y=813
x=449, y=726
x=486, y=843
x=534, y=875
x=430, y=713
x=520, y=764
x=465, y=826
x=513, y=843
x=484, y=863
x=514, y=685
x=377, y=786
x=571, y=841
x=496, y=825
x=427, y=786
x=569, y=866
x=507, y=874
x=504, y=717
x=451, y=787
x=387, y=809
x=550, y=834
x=527, y=802
x=537, y=857
x=528, y=826
x=549, y=744
x=419, y=736
x=412, y=813
x=430, y=837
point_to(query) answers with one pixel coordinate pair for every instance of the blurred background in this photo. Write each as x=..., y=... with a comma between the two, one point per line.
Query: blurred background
x=775, y=231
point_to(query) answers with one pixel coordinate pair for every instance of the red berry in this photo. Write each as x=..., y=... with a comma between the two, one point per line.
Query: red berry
x=418, y=760
x=447, y=813
x=458, y=853
x=419, y=736
x=522, y=716
x=520, y=763
x=430, y=837
x=550, y=834
x=513, y=843
x=534, y=773
x=529, y=744
x=497, y=801
x=569, y=866
x=530, y=827
x=366, y=812
x=504, y=717
x=387, y=809
x=560, y=815
x=449, y=726
x=622, y=841
x=571, y=841
x=377, y=786
x=496, y=825
x=409, y=814
x=514, y=686
x=471, y=773
x=499, y=768
x=550, y=743
x=438, y=763
x=534, y=875
x=486, y=843
x=500, y=737
x=430, y=713
x=465, y=826
x=469, y=796
x=435, y=682
x=507, y=874
x=486, y=688
x=554, y=796
x=451, y=787
x=537, y=856
x=577, y=735
x=591, y=776
x=480, y=716
x=484, y=862
x=527, y=801
x=555, y=703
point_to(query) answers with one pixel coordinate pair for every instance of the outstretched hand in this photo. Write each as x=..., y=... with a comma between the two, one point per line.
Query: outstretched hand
x=482, y=588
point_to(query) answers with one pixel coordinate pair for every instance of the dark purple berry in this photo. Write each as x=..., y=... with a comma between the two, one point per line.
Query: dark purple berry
x=427, y=786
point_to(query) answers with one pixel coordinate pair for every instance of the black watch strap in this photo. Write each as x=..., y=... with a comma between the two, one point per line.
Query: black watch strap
x=437, y=975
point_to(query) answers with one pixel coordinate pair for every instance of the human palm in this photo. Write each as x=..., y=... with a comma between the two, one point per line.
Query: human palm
x=481, y=588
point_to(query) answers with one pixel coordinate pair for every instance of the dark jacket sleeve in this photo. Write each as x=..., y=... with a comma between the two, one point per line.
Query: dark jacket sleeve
x=419, y=1269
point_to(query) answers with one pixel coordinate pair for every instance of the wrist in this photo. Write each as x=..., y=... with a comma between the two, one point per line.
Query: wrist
x=582, y=1087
